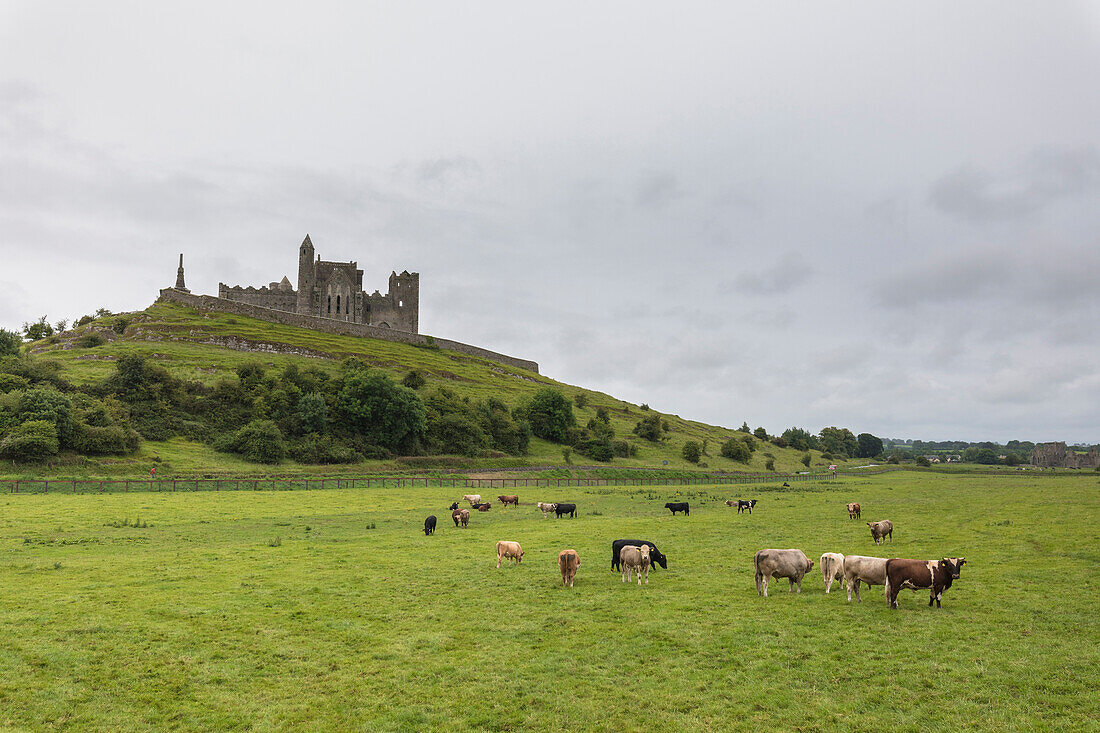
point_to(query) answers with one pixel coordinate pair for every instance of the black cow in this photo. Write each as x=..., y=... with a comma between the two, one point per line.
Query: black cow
x=677, y=506
x=655, y=556
x=454, y=506
x=742, y=505
x=570, y=509
x=429, y=525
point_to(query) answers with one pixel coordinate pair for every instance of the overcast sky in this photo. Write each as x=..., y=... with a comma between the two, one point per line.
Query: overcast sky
x=884, y=216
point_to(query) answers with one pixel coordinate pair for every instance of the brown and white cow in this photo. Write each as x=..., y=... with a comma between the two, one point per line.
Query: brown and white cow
x=635, y=558
x=484, y=506
x=853, y=510
x=509, y=550
x=832, y=567
x=860, y=568
x=568, y=561
x=881, y=530
x=474, y=499
x=790, y=564
x=461, y=515
x=920, y=575
x=506, y=500
x=546, y=508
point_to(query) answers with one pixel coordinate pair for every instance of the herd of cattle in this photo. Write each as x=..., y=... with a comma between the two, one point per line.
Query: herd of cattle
x=636, y=557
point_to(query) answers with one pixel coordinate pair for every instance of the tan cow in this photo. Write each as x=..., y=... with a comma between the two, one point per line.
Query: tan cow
x=635, y=558
x=853, y=510
x=509, y=550
x=472, y=498
x=546, y=508
x=790, y=564
x=881, y=530
x=832, y=567
x=860, y=568
x=461, y=515
x=568, y=561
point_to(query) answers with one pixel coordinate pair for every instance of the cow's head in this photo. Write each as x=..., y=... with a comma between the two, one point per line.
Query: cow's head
x=519, y=558
x=656, y=556
x=645, y=551
x=454, y=506
x=753, y=502
x=952, y=566
x=809, y=565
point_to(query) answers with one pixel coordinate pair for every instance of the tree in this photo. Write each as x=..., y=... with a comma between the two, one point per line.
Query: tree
x=40, y=329
x=806, y=458
x=9, y=342
x=649, y=428
x=744, y=428
x=383, y=413
x=868, y=445
x=800, y=439
x=839, y=440
x=691, y=451
x=260, y=441
x=760, y=433
x=922, y=461
x=550, y=414
x=51, y=406
x=312, y=413
x=1011, y=459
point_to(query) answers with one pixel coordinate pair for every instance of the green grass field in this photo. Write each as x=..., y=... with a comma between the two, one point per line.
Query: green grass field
x=330, y=610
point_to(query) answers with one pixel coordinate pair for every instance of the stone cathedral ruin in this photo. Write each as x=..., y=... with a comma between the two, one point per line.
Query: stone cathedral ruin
x=330, y=298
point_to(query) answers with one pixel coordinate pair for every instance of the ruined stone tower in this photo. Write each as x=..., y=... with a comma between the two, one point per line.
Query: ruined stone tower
x=305, y=277
x=179, y=277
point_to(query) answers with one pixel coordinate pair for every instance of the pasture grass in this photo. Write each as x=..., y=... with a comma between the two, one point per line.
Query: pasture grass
x=331, y=610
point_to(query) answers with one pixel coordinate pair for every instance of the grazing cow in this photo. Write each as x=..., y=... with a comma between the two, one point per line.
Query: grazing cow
x=853, y=510
x=742, y=505
x=832, y=567
x=461, y=515
x=454, y=506
x=474, y=499
x=570, y=509
x=881, y=530
x=919, y=575
x=484, y=507
x=790, y=564
x=429, y=525
x=506, y=500
x=509, y=550
x=568, y=562
x=635, y=558
x=677, y=506
x=655, y=555
x=860, y=568
x=546, y=508
x=731, y=502
x=786, y=485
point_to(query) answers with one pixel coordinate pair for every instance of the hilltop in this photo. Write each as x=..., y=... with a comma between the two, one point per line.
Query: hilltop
x=209, y=348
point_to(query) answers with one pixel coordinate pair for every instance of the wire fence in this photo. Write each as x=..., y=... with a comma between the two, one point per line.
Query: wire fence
x=100, y=486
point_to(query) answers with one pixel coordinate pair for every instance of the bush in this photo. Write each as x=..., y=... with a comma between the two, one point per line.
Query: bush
x=52, y=406
x=649, y=428
x=922, y=461
x=120, y=325
x=414, y=380
x=12, y=383
x=107, y=440
x=736, y=450
x=623, y=449
x=34, y=440
x=806, y=458
x=312, y=413
x=456, y=433
x=581, y=401
x=893, y=459
x=566, y=454
x=318, y=449
x=760, y=433
x=260, y=442
x=779, y=441
x=691, y=451
x=40, y=329
x=769, y=464
x=383, y=413
x=644, y=407
x=596, y=449
x=90, y=340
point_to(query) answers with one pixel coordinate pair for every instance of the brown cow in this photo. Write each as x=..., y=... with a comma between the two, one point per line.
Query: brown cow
x=881, y=530
x=568, y=561
x=919, y=575
x=506, y=500
x=484, y=507
x=461, y=515
x=853, y=510
x=510, y=550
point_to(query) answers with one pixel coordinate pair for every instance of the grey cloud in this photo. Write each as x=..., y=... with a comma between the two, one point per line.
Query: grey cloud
x=787, y=274
x=1046, y=176
x=656, y=190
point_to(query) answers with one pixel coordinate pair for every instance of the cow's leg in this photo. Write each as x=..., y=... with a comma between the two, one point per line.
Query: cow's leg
x=790, y=585
x=800, y=585
x=765, y=583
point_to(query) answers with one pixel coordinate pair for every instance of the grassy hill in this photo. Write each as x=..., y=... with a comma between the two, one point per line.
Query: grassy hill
x=207, y=347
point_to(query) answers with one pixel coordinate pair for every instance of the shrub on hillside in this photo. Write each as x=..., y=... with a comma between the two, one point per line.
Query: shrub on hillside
x=598, y=449
x=779, y=441
x=120, y=325
x=806, y=458
x=922, y=461
x=414, y=380
x=549, y=413
x=769, y=464
x=105, y=440
x=385, y=414
x=312, y=413
x=10, y=341
x=649, y=428
x=11, y=383
x=260, y=442
x=34, y=440
x=623, y=449
x=90, y=340
x=736, y=450
x=691, y=452
x=52, y=406
x=316, y=449
x=760, y=433
x=581, y=401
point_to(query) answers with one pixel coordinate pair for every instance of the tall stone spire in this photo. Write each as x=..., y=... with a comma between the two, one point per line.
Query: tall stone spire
x=179, y=277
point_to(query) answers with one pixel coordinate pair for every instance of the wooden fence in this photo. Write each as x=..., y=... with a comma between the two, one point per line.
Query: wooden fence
x=97, y=486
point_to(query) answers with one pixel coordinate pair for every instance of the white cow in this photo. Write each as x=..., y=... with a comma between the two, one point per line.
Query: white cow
x=474, y=499
x=635, y=558
x=832, y=567
x=546, y=508
x=859, y=568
